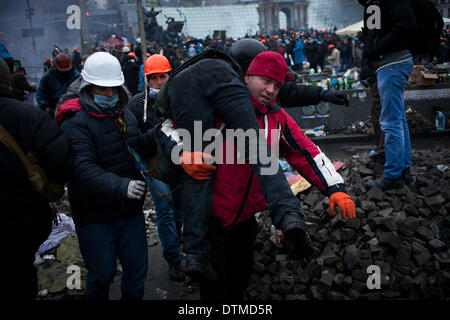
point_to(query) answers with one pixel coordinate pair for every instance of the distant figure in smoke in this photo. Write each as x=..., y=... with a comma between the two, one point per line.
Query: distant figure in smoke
x=55, y=82
x=19, y=83
x=76, y=60
x=56, y=50
x=131, y=74
x=47, y=64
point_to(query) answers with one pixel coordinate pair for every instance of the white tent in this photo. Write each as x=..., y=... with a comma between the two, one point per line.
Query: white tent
x=351, y=29
x=446, y=22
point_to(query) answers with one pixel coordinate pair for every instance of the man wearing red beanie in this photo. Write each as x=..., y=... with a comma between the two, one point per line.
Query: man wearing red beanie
x=237, y=193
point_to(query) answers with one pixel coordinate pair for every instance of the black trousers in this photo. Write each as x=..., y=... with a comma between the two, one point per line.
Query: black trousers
x=232, y=257
x=20, y=238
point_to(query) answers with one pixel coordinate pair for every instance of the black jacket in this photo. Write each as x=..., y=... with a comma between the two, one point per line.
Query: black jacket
x=33, y=130
x=292, y=95
x=397, y=25
x=131, y=73
x=136, y=106
x=102, y=166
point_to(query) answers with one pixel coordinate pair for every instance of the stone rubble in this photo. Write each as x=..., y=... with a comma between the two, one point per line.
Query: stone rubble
x=405, y=232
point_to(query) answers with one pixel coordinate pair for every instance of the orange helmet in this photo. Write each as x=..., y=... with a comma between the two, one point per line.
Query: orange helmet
x=63, y=62
x=132, y=55
x=156, y=63
x=148, y=54
x=330, y=47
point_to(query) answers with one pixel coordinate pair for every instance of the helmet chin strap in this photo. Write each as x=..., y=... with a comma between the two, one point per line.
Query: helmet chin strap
x=145, y=98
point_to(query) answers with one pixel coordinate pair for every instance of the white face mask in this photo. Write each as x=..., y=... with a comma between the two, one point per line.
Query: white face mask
x=153, y=92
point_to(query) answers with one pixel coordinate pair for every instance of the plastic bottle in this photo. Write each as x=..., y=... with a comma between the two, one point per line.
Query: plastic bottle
x=325, y=128
x=440, y=121
x=350, y=83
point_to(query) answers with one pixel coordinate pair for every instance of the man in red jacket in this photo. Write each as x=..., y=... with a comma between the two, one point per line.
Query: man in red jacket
x=237, y=193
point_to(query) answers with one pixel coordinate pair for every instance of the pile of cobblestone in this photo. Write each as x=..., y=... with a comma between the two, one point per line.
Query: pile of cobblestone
x=405, y=233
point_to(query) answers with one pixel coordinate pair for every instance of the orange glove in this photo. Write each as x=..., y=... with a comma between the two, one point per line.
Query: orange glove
x=345, y=204
x=193, y=164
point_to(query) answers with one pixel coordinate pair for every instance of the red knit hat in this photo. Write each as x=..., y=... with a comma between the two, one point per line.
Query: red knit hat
x=269, y=64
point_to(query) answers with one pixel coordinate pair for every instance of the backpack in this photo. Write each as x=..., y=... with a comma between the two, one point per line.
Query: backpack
x=429, y=27
x=38, y=179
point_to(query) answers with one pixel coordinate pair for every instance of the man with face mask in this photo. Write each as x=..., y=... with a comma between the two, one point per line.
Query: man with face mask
x=167, y=206
x=107, y=189
x=55, y=82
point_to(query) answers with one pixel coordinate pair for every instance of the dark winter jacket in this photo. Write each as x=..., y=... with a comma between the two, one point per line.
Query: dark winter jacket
x=102, y=166
x=52, y=86
x=71, y=92
x=292, y=95
x=136, y=106
x=312, y=53
x=76, y=61
x=391, y=41
x=131, y=74
x=19, y=84
x=34, y=131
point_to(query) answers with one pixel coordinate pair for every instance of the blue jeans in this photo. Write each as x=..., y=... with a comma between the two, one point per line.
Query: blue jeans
x=336, y=69
x=397, y=145
x=168, y=219
x=345, y=64
x=102, y=243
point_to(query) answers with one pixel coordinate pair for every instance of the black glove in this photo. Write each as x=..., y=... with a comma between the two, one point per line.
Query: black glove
x=336, y=97
x=298, y=244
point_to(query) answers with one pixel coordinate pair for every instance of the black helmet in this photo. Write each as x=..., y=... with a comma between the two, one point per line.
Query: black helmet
x=244, y=50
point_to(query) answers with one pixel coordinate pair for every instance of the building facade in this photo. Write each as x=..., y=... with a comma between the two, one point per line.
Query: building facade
x=296, y=13
x=444, y=7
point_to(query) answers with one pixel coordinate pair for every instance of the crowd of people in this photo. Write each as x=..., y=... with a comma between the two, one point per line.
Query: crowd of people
x=108, y=126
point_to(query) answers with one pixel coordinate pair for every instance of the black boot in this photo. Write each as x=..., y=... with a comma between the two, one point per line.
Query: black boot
x=407, y=177
x=386, y=183
x=196, y=270
x=176, y=272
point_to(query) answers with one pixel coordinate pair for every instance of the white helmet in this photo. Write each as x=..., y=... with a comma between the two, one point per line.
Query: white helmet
x=103, y=69
x=126, y=49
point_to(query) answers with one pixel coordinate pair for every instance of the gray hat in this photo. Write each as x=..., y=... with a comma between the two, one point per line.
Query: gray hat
x=5, y=79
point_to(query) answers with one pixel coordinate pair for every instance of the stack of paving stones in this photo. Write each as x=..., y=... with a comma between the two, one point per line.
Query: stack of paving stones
x=405, y=232
x=417, y=123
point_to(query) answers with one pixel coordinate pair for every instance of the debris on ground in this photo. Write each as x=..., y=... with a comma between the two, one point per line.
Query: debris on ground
x=405, y=232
